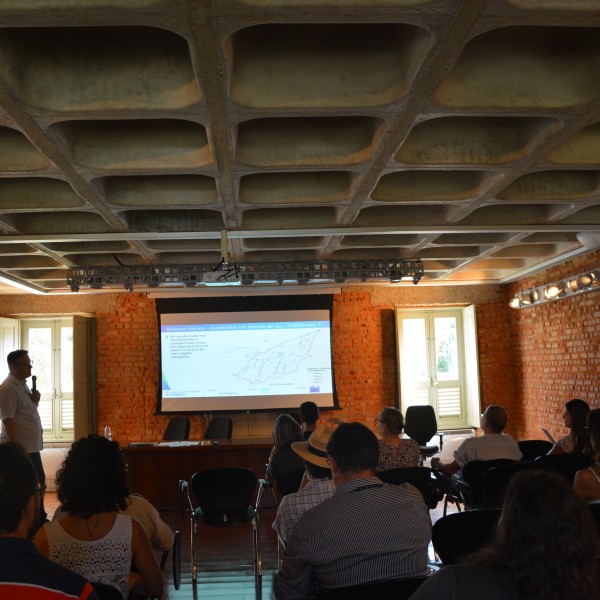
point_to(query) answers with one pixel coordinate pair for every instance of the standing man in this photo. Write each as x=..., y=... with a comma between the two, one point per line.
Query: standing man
x=367, y=531
x=24, y=572
x=20, y=417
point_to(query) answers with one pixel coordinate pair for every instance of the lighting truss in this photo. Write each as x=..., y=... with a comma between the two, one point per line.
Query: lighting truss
x=549, y=292
x=245, y=274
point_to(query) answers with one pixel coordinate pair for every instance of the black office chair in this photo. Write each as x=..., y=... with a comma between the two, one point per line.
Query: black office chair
x=468, y=485
x=399, y=589
x=566, y=464
x=420, y=477
x=421, y=425
x=494, y=482
x=177, y=430
x=224, y=498
x=219, y=428
x=457, y=535
x=531, y=449
x=106, y=592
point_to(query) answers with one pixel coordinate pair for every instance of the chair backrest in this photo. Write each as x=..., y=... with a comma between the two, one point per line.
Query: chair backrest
x=566, y=464
x=224, y=495
x=595, y=510
x=459, y=534
x=420, y=477
x=494, y=481
x=290, y=483
x=420, y=423
x=219, y=428
x=472, y=471
x=531, y=449
x=177, y=430
x=399, y=589
x=106, y=592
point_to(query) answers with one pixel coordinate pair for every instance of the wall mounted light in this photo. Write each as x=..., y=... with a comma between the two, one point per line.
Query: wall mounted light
x=570, y=286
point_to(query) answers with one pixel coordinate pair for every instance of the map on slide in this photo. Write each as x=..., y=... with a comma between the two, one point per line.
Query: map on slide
x=277, y=362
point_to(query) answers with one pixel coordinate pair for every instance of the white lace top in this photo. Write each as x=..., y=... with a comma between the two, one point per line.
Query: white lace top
x=107, y=560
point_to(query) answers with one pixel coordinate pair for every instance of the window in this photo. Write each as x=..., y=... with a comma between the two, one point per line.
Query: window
x=438, y=364
x=50, y=345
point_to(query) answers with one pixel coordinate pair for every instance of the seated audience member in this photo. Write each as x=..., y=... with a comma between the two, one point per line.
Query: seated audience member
x=493, y=444
x=160, y=534
x=367, y=531
x=24, y=572
x=543, y=549
x=283, y=459
x=587, y=482
x=309, y=415
x=394, y=451
x=575, y=418
x=319, y=484
x=92, y=538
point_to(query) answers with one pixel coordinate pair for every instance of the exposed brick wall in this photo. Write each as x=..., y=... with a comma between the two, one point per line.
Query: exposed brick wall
x=556, y=349
x=531, y=360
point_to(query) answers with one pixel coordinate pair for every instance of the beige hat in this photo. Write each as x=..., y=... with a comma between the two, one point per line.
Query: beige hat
x=315, y=449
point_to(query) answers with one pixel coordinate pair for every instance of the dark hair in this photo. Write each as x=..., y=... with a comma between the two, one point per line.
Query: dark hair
x=579, y=411
x=392, y=418
x=93, y=478
x=545, y=540
x=309, y=413
x=354, y=447
x=18, y=482
x=14, y=356
x=317, y=472
x=593, y=421
x=285, y=431
x=496, y=417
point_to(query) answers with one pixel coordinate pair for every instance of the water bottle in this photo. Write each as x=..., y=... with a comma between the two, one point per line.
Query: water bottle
x=108, y=432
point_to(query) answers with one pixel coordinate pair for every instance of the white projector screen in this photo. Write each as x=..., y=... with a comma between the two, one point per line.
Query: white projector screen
x=245, y=360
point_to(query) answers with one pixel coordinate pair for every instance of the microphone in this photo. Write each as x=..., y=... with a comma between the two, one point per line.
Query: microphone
x=33, y=382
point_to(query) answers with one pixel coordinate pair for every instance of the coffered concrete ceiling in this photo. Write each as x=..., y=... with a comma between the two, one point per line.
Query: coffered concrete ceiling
x=132, y=132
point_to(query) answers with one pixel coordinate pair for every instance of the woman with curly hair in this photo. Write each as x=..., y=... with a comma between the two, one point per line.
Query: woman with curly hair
x=92, y=539
x=543, y=549
x=575, y=418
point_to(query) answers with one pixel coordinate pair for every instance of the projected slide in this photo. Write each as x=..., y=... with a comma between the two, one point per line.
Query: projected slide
x=233, y=359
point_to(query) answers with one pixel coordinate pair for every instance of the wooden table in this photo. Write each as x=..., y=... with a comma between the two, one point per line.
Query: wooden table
x=155, y=470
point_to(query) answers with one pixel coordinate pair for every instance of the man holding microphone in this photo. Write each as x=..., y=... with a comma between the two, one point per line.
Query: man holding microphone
x=19, y=413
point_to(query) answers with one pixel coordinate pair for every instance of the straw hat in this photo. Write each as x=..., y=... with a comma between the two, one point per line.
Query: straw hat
x=314, y=450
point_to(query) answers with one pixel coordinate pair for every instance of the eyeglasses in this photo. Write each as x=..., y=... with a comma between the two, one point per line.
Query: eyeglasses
x=27, y=364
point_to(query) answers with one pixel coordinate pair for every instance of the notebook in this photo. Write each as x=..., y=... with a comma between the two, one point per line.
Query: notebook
x=547, y=434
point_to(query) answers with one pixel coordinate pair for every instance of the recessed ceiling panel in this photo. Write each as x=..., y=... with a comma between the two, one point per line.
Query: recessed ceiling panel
x=308, y=141
x=99, y=68
x=472, y=140
x=325, y=65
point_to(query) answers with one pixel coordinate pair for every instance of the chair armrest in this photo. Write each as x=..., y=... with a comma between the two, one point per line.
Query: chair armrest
x=184, y=495
x=441, y=434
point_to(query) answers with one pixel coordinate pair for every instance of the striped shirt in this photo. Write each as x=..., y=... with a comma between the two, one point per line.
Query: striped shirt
x=294, y=505
x=367, y=531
